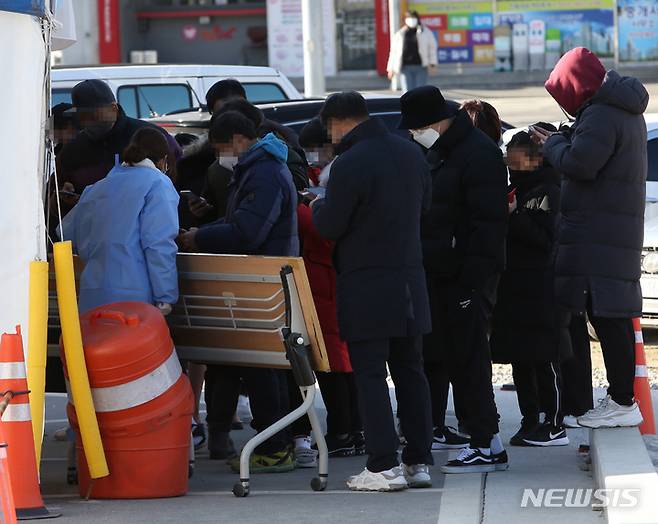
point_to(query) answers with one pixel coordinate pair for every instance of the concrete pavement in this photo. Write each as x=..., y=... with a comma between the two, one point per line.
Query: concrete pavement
x=468, y=499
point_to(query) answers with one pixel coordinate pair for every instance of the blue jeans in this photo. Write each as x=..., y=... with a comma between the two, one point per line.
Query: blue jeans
x=412, y=76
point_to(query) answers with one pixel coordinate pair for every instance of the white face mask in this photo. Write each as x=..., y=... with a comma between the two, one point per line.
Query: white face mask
x=425, y=137
x=313, y=157
x=228, y=162
x=411, y=23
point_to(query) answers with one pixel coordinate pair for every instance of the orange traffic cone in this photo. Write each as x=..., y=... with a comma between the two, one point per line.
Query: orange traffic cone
x=17, y=425
x=7, y=505
x=641, y=386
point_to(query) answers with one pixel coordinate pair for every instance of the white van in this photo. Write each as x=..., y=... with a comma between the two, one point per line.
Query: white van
x=153, y=90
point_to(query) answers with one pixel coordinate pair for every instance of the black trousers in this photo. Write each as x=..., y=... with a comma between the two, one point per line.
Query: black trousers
x=438, y=378
x=617, y=338
x=577, y=394
x=340, y=397
x=268, y=398
x=538, y=389
x=405, y=361
x=464, y=334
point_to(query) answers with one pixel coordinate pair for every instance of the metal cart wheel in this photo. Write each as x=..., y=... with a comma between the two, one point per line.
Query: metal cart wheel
x=240, y=490
x=319, y=484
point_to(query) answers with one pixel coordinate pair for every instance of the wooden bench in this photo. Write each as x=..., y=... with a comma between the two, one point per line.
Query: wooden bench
x=246, y=311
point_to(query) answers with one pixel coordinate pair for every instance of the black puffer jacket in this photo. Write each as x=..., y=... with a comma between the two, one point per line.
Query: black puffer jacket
x=604, y=162
x=464, y=233
x=526, y=308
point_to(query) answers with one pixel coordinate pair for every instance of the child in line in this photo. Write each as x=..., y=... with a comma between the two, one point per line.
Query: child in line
x=529, y=330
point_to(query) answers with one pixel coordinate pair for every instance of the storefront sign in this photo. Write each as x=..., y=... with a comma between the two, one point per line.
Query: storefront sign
x=586, y=23
x=638, y=30
x=285, y=38
x=463, y=29
x=109, y=36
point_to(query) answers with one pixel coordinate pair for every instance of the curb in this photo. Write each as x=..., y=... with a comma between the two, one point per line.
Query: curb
x=620, y=461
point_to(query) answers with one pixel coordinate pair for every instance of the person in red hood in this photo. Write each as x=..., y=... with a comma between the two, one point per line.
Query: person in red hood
x=344, y=428
x=603, y=159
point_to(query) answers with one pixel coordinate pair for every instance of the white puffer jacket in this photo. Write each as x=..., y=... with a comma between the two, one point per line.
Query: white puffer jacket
x=427, y=49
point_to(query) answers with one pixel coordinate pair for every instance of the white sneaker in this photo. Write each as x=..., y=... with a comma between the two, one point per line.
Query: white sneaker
x=571, y=422
x=417, y=476
x=609, y=414
x=305, y=456
x=389, y=480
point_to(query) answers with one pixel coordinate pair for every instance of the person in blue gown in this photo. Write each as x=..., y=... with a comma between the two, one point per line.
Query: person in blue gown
x=124, y=229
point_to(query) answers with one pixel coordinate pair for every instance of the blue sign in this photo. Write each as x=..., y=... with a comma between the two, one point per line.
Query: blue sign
x=28, y=7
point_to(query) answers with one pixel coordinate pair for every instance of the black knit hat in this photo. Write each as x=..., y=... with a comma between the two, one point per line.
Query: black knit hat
x=92, y=94
x=424, y=106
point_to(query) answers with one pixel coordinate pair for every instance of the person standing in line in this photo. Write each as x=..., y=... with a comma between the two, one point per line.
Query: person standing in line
x=261, y=219
x=344, y=428
x=378, y=188
x=124, y=228
x=603, y=159
x=526, y=308
x=463, y=239
x=414, y=53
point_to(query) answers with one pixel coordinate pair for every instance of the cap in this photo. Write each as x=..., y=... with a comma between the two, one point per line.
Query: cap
x=424, y=106
x=92, y=94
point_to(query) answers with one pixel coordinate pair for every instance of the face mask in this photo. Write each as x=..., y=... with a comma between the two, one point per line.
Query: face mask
x=229, y=162
x=426, y=137
x=98, y=130
x=313, y=157
x=412, y=23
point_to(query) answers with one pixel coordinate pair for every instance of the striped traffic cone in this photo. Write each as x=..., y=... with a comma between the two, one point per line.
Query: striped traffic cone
x=17, y=425
x=7, y=504
x=641, y=386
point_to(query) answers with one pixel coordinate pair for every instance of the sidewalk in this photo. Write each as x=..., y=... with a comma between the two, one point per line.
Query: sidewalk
x=467, y=76
x=469, y=499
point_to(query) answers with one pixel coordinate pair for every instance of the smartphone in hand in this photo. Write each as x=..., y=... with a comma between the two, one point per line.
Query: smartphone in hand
x=189, y=196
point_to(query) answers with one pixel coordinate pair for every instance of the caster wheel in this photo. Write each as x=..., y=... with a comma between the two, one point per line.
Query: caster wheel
x=240, y=491
x=318, y=484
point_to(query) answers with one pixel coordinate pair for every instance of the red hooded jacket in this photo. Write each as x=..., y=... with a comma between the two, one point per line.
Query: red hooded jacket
x=575, y=79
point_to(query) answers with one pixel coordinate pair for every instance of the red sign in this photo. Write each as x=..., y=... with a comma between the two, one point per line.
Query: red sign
x=382, y=35
x=435, y=22
x=109, y=36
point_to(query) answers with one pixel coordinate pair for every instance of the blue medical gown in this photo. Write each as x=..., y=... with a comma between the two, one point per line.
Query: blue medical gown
x=124, y=228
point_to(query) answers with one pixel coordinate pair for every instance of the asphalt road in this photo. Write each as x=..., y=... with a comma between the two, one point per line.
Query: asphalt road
x=524, y=105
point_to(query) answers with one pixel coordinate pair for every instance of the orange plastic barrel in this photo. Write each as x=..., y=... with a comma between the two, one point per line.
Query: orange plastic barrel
x=144, y=403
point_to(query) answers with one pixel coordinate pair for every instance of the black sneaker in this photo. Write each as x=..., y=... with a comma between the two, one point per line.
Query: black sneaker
x=527, y=427
x=339, y=447
x=470, y=460
x=547, y=435
x=500, y=460
x=448, y=438
x=359, y=443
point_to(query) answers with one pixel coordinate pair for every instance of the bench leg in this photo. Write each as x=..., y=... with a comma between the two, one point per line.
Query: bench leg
x=320, y=482
x=241, y=489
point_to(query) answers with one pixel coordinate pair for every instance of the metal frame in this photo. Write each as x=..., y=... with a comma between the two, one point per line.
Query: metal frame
x=294, y=333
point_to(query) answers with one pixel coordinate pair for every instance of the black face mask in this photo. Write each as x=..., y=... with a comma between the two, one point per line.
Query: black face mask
x=97, y=131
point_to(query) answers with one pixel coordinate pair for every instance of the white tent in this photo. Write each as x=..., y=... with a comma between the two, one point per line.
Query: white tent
x=24, y=93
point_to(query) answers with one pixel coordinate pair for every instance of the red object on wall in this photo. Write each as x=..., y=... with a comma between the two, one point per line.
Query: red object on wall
x=109, y=34
x=382, y=35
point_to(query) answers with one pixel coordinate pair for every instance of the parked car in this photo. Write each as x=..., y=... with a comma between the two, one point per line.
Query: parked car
x=146, y=91
x=292, y=113
x=649, y=280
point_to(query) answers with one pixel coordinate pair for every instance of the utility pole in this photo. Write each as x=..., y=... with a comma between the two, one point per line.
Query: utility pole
x=394, y=17
x=312, y=29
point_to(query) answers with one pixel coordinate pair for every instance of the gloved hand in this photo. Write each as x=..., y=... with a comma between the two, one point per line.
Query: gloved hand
x=164, y=308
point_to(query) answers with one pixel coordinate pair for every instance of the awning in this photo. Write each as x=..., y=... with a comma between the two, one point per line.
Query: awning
x=28, y=7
